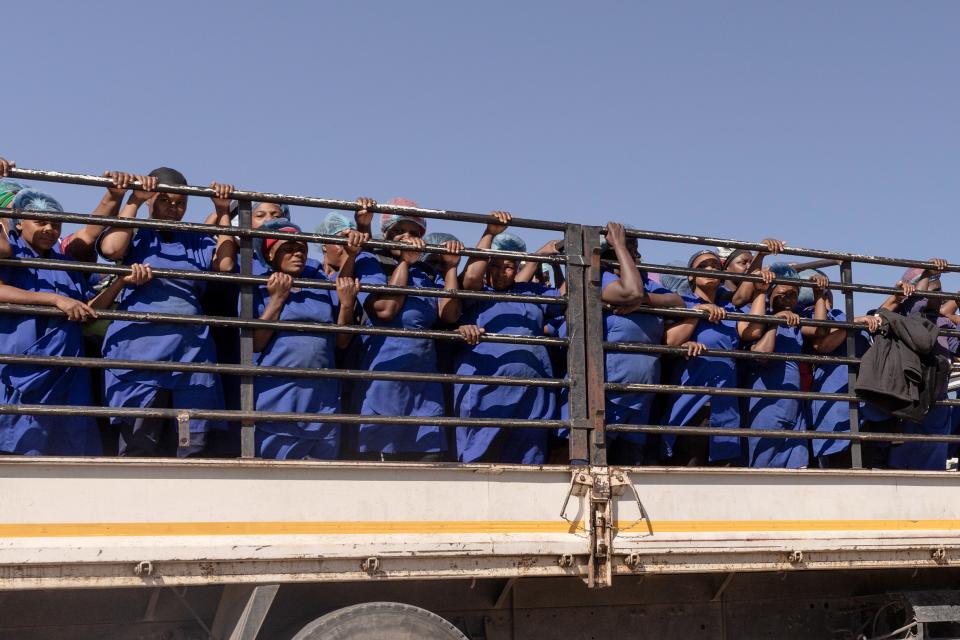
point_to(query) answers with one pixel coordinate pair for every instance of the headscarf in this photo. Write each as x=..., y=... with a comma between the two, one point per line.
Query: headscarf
x=334, y=223
x=34, y=200
x=784, y=270
x=437, y=237
x=805, y=298
x=702, y=252
x=733, y=255
x=913, y=275
x=508, y=242
x=387, y=221
x=676, y=283
x=8, y=191
x=284, y=208
x=261, y=246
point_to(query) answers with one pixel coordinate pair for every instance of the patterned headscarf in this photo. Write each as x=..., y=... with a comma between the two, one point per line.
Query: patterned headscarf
x=261, y=246
x=334, y=223
x=34, y=200
x=387, y=221
x=509, y=242
x=805, y=299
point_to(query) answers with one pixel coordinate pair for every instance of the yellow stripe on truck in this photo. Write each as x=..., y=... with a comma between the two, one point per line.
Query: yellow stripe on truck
x=493, y=527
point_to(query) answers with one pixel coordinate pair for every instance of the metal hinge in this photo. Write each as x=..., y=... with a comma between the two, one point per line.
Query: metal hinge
x=599, y=488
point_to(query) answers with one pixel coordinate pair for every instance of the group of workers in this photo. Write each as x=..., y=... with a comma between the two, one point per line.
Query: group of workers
x=627, y=295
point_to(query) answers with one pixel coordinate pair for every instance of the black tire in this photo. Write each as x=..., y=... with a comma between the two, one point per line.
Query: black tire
x=380, y=621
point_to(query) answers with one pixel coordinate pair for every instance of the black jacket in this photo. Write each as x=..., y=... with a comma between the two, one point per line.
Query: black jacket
x=905, y=371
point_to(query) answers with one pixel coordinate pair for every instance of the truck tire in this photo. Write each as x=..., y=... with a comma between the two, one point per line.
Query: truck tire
x=380, y=621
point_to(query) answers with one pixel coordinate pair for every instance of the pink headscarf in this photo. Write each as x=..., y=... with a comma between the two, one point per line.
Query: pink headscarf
x=387, y=221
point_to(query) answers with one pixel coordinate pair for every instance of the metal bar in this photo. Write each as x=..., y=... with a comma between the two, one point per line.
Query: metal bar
x=240, y=232
x=639, y=347
x=779, y=433
x=576, y=349
x=856, y=453
x=746, y=277
x=280, y=198
x=272, y=416
x=286, y=372
x=222, y=321
x=593, y=315
x=247, y=403
x=306, y=283
x=791, y=251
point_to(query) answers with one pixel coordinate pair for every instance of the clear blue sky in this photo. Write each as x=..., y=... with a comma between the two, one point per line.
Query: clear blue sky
x=828, y=124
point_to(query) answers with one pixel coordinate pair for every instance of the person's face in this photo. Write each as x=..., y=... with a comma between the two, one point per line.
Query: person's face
x=265, y=212
x=707, y=262
x=41, y=235
x=167, y=206
x=401, y=231
x=502, y=273
x=289, y=257
x=741, y=263
x=334, y=254
x=783, y=297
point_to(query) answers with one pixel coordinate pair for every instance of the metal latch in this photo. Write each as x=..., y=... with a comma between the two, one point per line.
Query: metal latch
x=183, y=428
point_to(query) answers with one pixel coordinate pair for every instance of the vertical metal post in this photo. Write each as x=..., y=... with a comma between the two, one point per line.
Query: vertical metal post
x=593, y=312
x=576, y=350
x=846, y=277
x=247, y=444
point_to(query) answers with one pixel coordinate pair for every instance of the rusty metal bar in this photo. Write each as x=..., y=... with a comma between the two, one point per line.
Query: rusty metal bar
x=280, y=198
x=593, y=314
x=272, y=416
x=286, y=325
x=243, y=279
x=240, y=232
x=576, y=349
x=247, y=400
x=779, y=433
x=856, y=452
x=268, y=371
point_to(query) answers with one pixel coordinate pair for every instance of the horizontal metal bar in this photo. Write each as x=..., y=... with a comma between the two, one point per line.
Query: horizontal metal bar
x=220, y=321
x=637, y=347
x=280, y=198
x=748, y=317
x=746, y=277
x=792, y=251
x=241, y=232
x=273, y=416
x=286, y=372
x=745, y=393
x=307, y=283
x=747, y=432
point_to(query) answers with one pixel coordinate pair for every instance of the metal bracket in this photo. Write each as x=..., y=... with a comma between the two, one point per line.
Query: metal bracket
x=143, y=569
x=600, y=565
x=939, y=554
x=371, y=565
x=795, y=557
x=566, y=560
x=183, y=428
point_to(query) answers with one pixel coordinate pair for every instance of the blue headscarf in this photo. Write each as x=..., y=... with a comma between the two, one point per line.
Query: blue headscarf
x=509, y=242
x=261, y=246
x=805, y=298
x=34, y=200
x=784, y=270
x=334, y=223
x=284, y=208
x=677, y=284
x=437, y=237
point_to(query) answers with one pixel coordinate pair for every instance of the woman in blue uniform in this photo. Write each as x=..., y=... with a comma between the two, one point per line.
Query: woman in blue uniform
x=388, y=353
x=48, y=336
x=783, y=414
x=158, y=341
x=476, y=444
x=742, y=293
x=831, y=415
x=279, y=301
x=623, y=290
x=713, y=333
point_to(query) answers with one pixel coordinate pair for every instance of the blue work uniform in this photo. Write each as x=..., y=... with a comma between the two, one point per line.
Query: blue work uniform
x=491, y=444
x=298, y=440
x=128, y=340
x=630, y=407
x=709, y=371
x=777, y=413
x=391, y=353
x=26, y=384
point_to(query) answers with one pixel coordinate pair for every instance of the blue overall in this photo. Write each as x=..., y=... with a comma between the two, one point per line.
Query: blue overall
x=709, y=371
x=624, y=407
x=44, y=336
x=298, y=440
x=128, y=340
x=525, y=446
x=390, y=353
x=777, y=413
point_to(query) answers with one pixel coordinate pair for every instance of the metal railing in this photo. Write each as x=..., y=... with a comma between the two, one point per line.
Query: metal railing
x=585, y=343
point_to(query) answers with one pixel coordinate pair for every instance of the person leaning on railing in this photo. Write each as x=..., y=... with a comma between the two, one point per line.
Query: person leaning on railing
x=389, y=353
x=501, y=275
x=279, y=300
x=58, y=336
x=158, y=341
x=713, y=333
